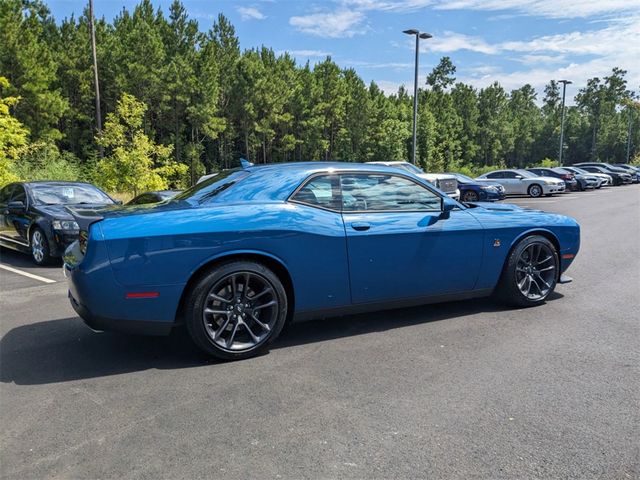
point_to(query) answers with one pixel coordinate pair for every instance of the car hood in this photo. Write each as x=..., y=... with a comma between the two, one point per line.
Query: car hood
x=62, y=212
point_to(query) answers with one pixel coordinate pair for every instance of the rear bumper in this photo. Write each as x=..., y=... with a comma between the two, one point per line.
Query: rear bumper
x=134, y=327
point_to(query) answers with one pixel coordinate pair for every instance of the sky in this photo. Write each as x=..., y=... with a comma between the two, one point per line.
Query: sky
x=513, y=42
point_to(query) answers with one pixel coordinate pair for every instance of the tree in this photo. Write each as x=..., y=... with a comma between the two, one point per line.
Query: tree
x=13, y=135
x=134, y=162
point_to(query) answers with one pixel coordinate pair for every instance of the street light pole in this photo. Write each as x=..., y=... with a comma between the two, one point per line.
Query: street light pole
x=629, y=134
x=564, y=91
x=424, y=36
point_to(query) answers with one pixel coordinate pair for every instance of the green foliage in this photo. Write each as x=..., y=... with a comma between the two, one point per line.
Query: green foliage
x=548, y=163
x=134, y=163
x=44, y=161
x=13, y=135
x=197, y=103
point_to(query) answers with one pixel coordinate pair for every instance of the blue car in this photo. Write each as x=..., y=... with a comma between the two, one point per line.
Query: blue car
x=478, y=190
x=237, y=256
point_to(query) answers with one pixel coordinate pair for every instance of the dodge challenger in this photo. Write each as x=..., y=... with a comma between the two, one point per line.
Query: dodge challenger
x=240, y=254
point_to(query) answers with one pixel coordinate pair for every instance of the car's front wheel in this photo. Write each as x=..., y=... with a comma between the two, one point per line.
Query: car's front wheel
x=530, y=272
x=535, y=190
x=236, y=309
x=470, y=196
x=40, y=249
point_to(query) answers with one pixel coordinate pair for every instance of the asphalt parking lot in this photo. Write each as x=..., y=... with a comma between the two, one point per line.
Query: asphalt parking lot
x=467, y=389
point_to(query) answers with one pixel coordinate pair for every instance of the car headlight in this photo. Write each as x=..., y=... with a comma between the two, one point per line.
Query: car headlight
x=65, y=225
x=489, y=188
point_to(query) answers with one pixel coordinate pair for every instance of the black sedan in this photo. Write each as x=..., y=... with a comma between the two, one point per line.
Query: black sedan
x=153, y=197
x=33, y=218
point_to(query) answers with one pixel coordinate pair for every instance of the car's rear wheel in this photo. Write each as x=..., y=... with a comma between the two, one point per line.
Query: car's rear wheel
x=236, y=310
x=470, y=196
x=535, y=190
x=40, y=250
x=530, y=273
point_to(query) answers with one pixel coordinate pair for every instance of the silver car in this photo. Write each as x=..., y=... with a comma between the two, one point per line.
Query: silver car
x=445, y=182
x=522, y=182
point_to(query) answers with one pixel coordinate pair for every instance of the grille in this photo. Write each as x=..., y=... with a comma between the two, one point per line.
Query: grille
x=448, y=185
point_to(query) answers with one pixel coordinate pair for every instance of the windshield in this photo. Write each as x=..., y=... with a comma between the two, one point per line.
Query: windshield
x=462, y=178
x=526, y=174
x=209, y=188
x=409, y=167
x=68, y=194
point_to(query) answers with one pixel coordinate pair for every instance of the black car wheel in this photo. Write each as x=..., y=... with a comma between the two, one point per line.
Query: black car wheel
x=530, y=273
x=40, y=250
x=236, y=310
x=535, y=191
x=470, y=196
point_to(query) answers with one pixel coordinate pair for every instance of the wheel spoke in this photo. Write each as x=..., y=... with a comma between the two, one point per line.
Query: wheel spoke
x=232, y=336
x=260, y=324
x=263, y=292
x=542, y=280
x=219, y=298
x=245, y=287
x=251, y=334
x=216, y=312
x=234, y=286
x=533, y=280
x=268, y=304
x=547, y=269
x=542, y=262
x=222, y=328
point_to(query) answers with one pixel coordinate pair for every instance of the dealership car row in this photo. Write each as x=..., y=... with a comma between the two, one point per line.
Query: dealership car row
x=34, y=217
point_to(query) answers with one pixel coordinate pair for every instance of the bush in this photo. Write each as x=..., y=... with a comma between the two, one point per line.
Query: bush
x=43, y=161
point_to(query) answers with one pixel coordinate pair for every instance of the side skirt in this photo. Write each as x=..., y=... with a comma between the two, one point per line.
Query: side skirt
x=389, y=305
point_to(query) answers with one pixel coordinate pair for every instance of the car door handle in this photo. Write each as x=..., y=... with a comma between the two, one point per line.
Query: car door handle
x=360, y=226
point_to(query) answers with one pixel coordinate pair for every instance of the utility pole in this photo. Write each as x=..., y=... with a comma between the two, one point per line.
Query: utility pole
x=95, y=71
x=424, y=36
x=564, y=91
x=629, y=133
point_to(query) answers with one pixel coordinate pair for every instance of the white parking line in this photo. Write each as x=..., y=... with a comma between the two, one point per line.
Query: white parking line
x=27, y=274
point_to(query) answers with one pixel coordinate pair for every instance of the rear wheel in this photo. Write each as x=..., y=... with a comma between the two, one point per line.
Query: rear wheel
x=530, y=273
x=236, y=310
x=40, y=250
x=470, y=196
x=535, y=190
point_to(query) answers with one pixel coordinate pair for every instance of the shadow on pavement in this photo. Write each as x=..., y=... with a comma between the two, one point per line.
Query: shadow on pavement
x=65, y=349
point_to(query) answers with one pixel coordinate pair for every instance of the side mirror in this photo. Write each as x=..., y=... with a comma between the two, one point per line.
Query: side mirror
x=447, y=206
x=15, y=207
x=519, y=177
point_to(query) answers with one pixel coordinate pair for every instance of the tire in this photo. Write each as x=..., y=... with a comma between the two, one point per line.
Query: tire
x=535, y=190
x=513, y=282
x=581, y=188
x=39, y=247
x=470, y=196
x=222, y=317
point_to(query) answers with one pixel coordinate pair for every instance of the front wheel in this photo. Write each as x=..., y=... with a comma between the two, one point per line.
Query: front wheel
x=470, y=196
x=40, y=250
x=530, y=273
x=535, y=191
x=236, y=310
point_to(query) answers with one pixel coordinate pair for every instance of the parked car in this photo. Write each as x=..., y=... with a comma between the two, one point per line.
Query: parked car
x=33, y=218
x=478, y=191
x=153, y=197
x=603, y=178
x=618, y=177
x=566, y=176
x=521, y=182
x=631, y=170
x=445, y=182
x=237, y=256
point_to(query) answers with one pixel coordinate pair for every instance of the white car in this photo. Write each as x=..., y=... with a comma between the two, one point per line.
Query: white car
x=605, y=180
x=522, y=182
x=445, y=182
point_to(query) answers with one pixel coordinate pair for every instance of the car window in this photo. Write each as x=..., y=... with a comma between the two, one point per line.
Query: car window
x=510, y=174
x=380, y=192
x=5, y=194
x=208, y=189
x=19, y=195
x=321, y=191
x=496, y=175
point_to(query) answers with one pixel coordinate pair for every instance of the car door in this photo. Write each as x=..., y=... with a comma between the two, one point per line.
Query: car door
x=18, y=221
x=5, y=197
x=498, y=177
x=512, y=184
x=399, y=244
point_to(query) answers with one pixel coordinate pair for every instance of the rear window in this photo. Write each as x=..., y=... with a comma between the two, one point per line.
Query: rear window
x=210, y=188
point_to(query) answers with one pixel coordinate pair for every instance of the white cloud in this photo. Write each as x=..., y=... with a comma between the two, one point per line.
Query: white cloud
x=251, y=13
x=452, y=42
x=545, y=8
x=341, y=23
x=390, y=88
